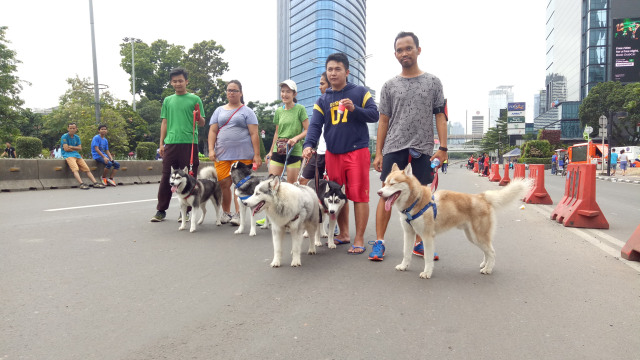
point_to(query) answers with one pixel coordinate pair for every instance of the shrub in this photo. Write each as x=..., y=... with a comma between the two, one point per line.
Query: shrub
x=146, y=151
x=537, y=149
x=28, y=147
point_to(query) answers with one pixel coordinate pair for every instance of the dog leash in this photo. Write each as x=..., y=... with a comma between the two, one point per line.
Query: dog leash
x=434, y=183
x=286, y=160
x=193, y=135
x=305, y=162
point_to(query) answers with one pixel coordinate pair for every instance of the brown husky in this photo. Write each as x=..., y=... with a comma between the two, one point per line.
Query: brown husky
x=427, y=215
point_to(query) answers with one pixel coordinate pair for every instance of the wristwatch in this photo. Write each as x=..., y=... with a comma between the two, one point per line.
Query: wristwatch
x=441, y=148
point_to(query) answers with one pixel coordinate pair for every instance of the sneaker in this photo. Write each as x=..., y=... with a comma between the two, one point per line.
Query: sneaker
x=98, y=185
x=377, y=250
x=104, y=181
x=159, y=216
x=111, y=182
x=84, y=186
x=261, y=221
x=235, y=219
x=226, y=217
x=418, y=249
x=188, y=216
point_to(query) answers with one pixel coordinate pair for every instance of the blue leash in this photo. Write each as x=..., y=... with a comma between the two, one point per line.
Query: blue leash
x=286, y=160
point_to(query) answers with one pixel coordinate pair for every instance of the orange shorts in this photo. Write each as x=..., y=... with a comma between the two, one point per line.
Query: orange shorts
x=223, y=167
x=76, y=164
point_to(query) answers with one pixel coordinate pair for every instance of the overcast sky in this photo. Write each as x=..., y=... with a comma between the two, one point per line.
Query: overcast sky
x=471, y=46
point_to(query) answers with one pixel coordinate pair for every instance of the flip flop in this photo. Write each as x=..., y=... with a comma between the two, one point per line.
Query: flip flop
x=339, y=242
x=357, y=247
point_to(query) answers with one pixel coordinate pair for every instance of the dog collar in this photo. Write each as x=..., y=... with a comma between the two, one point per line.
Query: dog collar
x=244, y=197
x=241, y=182
x=413, y=217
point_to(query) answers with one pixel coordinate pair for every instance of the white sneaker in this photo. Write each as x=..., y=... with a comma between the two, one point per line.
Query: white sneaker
x=226, y=218
x=235, y=219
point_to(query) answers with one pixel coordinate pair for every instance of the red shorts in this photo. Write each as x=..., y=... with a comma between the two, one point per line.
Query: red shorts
x=352, y=170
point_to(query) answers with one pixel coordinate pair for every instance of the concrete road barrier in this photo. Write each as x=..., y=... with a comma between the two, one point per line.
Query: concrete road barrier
x=19, y=174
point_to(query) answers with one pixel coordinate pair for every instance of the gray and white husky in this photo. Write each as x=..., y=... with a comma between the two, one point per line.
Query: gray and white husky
x=332, y=199
x=245, y=182
x=195, y=193
x=288, y=207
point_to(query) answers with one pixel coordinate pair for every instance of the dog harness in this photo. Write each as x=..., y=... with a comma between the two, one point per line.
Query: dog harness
x=191, y=192
x=425, y=208
x=240, y=183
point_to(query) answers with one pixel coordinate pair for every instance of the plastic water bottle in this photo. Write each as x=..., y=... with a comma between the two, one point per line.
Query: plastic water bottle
x=435, y=163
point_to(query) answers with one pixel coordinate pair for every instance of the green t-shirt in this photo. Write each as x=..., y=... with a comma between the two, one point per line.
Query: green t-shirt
x=290, y=124
x=178, y=110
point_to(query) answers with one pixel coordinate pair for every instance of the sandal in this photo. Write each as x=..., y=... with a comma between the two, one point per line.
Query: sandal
x=98, y=185
x=84, y=186
x=353, y=247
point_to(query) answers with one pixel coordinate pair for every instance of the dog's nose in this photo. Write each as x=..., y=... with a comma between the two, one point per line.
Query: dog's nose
x=380, y=192
x=332, y=211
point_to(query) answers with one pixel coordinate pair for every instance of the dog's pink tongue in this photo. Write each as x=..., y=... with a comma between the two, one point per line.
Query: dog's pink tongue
x=332, y=216
x=389, y=203
x=174, y=188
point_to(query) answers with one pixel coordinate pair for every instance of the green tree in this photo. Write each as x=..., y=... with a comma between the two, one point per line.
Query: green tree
x=610, y=97
x=77, y=105
x=264, y=113
x=10, y=87
x=496, y=137
x=149, y=110
x=153, y=65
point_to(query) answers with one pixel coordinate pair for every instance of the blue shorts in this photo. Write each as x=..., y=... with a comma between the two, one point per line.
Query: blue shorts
x=623, y=165
x=110, y=164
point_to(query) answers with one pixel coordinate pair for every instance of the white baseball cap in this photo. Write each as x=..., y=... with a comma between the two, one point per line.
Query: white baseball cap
x=291, y=84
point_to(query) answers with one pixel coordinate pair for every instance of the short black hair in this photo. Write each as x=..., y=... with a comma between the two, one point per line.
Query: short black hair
x=179, y=71
x=402, y=34
x=338, y=57
x=72, y=123
x=101, y=126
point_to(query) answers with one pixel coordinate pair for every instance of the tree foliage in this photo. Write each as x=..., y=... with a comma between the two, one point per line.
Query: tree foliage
x=10, y=87
x=496, y=137
x=264, y=113
x=610, y=97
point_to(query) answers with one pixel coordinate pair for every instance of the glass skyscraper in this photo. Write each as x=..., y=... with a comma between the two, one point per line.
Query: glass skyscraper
x=311, y=30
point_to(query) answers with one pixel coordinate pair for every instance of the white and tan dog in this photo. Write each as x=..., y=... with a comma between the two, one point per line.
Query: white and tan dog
x=472, y=213
x=288, y=206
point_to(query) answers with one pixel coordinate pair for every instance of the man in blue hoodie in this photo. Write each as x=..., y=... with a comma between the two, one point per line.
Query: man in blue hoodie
x=343, y=112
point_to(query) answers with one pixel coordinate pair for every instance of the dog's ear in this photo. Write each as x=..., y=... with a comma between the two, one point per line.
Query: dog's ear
x=408, y=171
x=343, y=188
x=395, y=167
x=235, y=165
x=172, y=169
x=186, y=169
x=327, y=188
x=274, y=184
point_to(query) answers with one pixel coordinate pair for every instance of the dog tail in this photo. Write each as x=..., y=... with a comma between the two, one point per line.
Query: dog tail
x=209, y=173
x=517, y=189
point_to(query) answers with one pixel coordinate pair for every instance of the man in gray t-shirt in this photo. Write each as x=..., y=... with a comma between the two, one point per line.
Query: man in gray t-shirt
x=408, y=103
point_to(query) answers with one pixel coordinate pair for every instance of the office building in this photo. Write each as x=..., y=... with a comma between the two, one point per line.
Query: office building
x=477, y=124
x=311, y=30
x=498, y=99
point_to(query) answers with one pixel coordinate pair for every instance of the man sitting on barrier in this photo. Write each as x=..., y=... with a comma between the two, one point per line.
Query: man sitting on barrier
x=70, y=147
x=101, y=154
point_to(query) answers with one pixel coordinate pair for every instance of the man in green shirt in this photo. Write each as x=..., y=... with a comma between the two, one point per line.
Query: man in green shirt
x=178, y=135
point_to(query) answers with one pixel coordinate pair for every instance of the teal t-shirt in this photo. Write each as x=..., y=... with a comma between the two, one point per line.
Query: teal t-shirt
x=71, y=141
x=178, y=110
x=290, y=124
x=614, y=158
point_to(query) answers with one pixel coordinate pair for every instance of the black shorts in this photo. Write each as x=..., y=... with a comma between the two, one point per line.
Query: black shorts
x=309, y=171
x=421, y=167
x=282, y=158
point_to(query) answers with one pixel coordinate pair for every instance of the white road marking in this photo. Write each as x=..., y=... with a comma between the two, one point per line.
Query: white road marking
x=100, y=205
x=594, y=237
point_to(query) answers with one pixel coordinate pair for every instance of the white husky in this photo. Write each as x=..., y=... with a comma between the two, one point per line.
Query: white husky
x=289, y=207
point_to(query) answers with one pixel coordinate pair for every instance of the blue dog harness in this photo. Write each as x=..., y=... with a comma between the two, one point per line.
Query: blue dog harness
x=240, y=183
x=413, y=217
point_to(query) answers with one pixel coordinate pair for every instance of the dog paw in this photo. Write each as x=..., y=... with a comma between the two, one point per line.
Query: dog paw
x=311, y=252
x=425, y=275
x=218, y=223
x=485, y=271
x=295, y=263
x=324, y=235
x=331, y=245
x=192, y=230
x=275, y=263
x=252, y=233
x=318, y=243
x=238, y=232
x=182, y=227
x=402, y=267
x=482, y=265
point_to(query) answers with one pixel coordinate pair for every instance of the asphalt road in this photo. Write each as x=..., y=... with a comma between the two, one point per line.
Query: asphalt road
x=85, y=275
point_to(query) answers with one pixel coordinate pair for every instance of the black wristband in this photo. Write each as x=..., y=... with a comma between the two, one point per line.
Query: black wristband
x=443, y=149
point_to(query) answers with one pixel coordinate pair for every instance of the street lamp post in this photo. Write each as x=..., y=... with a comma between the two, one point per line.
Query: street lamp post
x=133, y=68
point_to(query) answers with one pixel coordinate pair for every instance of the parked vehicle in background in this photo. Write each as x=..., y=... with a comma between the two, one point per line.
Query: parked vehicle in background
x=588, y=153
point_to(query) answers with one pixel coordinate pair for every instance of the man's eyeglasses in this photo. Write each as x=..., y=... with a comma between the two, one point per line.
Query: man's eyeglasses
x=233, y=90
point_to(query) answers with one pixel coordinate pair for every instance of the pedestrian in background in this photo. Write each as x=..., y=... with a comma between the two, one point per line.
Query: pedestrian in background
x=233, y=136
x=9, y=151
x=613, y=161
x=100, y=153
x=624, y=160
